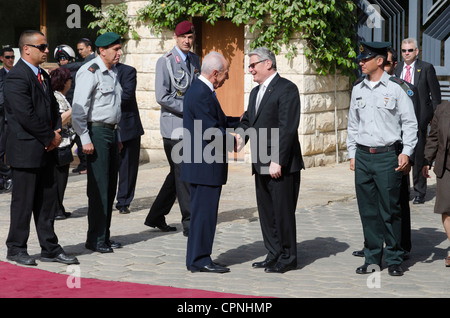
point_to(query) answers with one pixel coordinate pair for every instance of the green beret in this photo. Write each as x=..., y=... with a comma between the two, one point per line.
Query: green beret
x=107, y=39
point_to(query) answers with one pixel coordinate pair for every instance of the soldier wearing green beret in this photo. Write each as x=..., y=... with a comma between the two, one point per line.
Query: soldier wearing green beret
x=381, y=136
x=96, y=111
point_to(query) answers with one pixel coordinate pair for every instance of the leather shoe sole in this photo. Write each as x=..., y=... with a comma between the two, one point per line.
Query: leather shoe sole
x=163, y=227
x=23, y=259
x=364, y=269
x=419, y=200
x=395, y=270
x=264, y=264
x=280, y=268
x=101, y=248
x=212, y=268
x=124, y=210
x=61, y=258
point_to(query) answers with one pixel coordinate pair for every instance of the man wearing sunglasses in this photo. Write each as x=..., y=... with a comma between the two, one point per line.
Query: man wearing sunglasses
x=34, y=126
x=7, y=57
x=274, y=115
x=423, y=76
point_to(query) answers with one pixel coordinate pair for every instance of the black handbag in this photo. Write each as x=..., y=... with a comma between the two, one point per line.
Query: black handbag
x=64, y=156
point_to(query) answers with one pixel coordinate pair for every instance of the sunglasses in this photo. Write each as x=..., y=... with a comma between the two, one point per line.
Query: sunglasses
x=40, y=47
x=408, y=50
x=254, y=64
x=9, y=57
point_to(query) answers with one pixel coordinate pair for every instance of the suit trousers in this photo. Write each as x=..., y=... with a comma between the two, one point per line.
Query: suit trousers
x=33, y=193
x=277, y=201
x=204, y=210
x=128, y=171
x=102, y=173
x=378, y=188
x=62, y=176
x=420, y=182
x=172, y=189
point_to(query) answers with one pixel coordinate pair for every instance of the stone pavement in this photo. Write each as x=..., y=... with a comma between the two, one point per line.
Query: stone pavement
x=328, y=230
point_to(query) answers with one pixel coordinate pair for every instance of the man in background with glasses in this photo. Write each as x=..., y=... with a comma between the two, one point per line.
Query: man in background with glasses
x=7, y=57
x=423, y=76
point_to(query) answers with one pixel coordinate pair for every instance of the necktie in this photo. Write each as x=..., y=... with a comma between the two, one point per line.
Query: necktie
x=39, y=77
x=408, y=74
x=259, y=97
x=188, y=63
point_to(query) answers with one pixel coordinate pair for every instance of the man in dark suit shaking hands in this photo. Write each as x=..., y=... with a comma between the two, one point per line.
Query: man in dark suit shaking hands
x=34, y=125
x=423, y=76
x=205, y=167
x=271, y=121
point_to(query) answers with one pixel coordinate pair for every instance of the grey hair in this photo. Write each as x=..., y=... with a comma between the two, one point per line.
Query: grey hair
x=265, y=54
x=410, y=40
x=214, y=61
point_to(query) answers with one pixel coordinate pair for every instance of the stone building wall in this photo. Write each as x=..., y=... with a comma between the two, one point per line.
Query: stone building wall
x=324, y=99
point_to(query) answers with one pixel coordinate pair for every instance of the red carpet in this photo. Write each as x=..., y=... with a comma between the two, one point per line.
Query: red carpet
x=30, y=282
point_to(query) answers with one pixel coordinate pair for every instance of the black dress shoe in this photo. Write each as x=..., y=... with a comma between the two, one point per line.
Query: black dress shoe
x=280, y=268
x=264, y=264
x=114, y=244
x=63, y=216
x=419, y=200
x=101, y=248
x=22, y=258
x=364, y=269
x=162, y=227
x=359, y=253
x=61, y=258
x=395, y=270
x=124, y=210
x=211, y=268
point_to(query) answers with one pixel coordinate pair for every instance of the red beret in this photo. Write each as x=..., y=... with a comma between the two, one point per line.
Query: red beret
x=184, y=27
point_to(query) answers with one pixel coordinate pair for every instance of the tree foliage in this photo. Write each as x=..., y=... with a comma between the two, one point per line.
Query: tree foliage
x=326, y=26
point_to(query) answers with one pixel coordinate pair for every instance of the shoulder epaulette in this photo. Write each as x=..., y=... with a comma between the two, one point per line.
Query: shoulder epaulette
x=402, y=84
x=93, y=67
x=359, y=80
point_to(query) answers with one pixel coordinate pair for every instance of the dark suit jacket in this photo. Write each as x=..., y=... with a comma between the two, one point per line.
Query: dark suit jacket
x=437, y=146
x=426, y=82
x=33, y=115
x=201, y=108
x=130, y=122
x=279, y=109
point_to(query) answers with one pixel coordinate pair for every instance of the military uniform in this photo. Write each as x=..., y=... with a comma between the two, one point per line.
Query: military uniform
x=381, y=125
x=96, y=112
x=175, y=72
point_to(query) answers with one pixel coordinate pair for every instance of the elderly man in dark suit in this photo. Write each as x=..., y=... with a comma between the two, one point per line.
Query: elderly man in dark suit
x=205, y=165
x=423, y=76
x=130, y=134
x=273, y=114
x=34, y=126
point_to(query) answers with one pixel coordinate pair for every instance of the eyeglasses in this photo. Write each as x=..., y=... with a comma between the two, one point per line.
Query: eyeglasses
x=254, y=64
x=40, y=47
x=9, y=57
x=408, y=50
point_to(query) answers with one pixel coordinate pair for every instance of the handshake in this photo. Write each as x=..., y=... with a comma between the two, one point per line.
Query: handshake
x=239, y=143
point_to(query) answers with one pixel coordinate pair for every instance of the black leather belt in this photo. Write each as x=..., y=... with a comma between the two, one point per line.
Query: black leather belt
x=378, y=149
x=104, y=125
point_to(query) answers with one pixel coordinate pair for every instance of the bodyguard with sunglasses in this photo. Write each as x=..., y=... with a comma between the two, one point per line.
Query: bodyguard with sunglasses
x=423, y=76
x=34, y=126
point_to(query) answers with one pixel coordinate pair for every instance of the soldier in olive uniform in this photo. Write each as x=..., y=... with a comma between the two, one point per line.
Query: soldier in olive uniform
x=382, y=134
x=96, y=112
x=175, y=72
